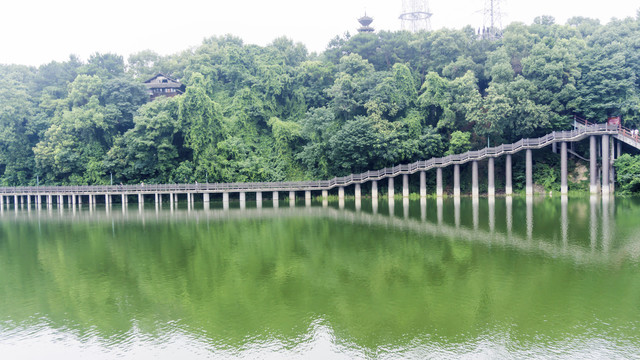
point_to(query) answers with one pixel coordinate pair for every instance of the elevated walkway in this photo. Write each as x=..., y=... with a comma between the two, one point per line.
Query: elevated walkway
x=581, y=132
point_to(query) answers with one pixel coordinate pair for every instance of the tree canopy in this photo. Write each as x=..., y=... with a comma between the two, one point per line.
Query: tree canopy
x=278, y=112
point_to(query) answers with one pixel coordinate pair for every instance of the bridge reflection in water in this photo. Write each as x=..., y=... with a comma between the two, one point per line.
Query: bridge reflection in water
x=588, y=235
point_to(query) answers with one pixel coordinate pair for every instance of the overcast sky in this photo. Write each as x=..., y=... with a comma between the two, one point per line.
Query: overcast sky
x=35, y=32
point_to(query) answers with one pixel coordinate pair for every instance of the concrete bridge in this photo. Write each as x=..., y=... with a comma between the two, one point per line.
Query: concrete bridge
x=607, y=135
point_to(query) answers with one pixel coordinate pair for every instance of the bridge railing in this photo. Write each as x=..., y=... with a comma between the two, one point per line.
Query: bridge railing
x=421, y=165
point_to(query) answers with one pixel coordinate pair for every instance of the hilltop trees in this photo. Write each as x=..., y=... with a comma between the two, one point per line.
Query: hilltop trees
x=254, y=113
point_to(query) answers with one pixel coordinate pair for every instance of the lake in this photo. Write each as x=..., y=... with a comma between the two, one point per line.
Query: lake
x=504, y=278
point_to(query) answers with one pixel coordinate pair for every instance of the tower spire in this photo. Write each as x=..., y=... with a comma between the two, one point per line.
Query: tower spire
x=365, y=21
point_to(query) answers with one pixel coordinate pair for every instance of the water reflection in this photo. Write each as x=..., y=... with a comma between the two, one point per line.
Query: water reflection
x=343, y=280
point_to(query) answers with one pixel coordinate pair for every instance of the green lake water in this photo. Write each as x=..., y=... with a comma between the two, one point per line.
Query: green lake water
x=547, y=278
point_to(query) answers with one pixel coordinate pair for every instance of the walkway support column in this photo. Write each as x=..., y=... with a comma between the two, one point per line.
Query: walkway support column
x=124, y=200
x=2, y=201
x=358, y=192
x=206, y=198
x=529, y=172
x=456, y=180
x=474, y=179
x=307, y=197
x=341, y=193
x=405, y=185
x=508, y=186
x=593, y=165
x=374, y=190
x=243, y=197
x=491, y=184
x=423, y=184
x=564, y=187
x=275, y=199
x=605, y=164
x=140, y=199
x=439, y=190
x=391, y=190
x=325, y=195
x=259, y=199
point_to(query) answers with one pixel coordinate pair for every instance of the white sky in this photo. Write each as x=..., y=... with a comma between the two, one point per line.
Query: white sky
x=35, y=32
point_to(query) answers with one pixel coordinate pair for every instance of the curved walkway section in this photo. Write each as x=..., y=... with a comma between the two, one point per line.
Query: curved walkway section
x=583, y=130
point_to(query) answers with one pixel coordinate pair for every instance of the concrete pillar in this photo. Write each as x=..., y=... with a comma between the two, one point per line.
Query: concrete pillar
x=2, y=201
x=160, y=199
x=171, y=200
x=307, y=197
x=358, y=192
x=391, y=188
x=474, y=179
x=60, y=202
x=508, y=188
x=258, y=199
x=405, y=185
x=423, y=184
x=564, y=186
x=529, y=172
x=605, y=164
x=140, y=199
x=49, y=200
x=619, y=146
x=554, y=148
x=29, y=201
x=80, y=199
x=439, y=190
x=491, y=184
x=325, y=195
x=106, y=199
x=374, y=190
x=456, y=180
x=15, y=201
x=205, y=198
x=341, y=193
x=275, y=199
x=612, y=171
x=593, y=165
x=123, y=199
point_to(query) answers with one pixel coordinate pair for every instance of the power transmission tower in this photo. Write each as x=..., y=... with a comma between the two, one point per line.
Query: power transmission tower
x=492, y=22
x=415, y=15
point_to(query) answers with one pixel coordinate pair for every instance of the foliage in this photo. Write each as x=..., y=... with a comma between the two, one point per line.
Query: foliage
x=276, y=112
x=628, y=173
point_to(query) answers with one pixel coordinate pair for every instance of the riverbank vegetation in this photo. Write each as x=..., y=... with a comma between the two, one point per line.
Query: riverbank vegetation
x=278, y=112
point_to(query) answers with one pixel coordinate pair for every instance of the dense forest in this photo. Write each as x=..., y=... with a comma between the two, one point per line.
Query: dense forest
x=278, y=112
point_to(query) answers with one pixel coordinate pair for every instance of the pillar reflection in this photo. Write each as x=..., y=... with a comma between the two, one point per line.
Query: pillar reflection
x=456, y=211
x=593, y=221
x=529, y=217
x=405, y=207
x=423, y=208
x=564, y=219
x=476, y=212
x=492, y=213
x=439, y=206
x=509, y=211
